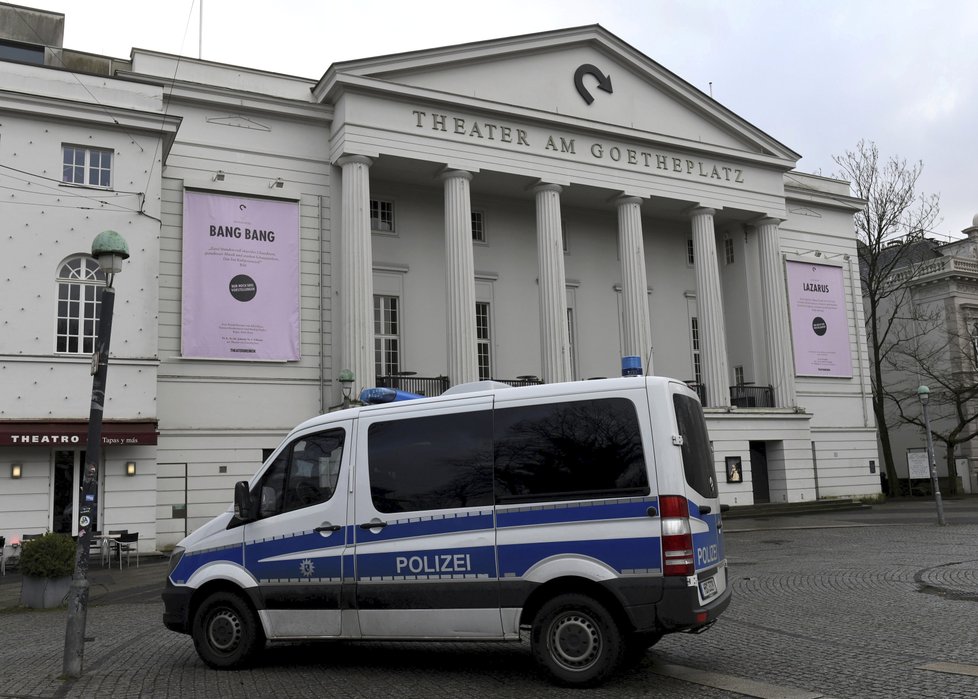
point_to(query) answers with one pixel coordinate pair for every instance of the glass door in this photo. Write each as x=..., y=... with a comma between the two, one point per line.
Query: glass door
x=67, y=480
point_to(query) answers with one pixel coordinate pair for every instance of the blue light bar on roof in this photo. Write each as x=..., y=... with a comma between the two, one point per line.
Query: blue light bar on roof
x=375, y=396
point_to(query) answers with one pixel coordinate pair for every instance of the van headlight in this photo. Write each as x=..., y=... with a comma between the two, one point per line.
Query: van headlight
x=175, y=557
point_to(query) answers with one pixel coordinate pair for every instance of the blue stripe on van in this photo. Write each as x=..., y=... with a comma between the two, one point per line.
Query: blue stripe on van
x=573, y=512
x=428, y=526
x=638, y=554
x=191, y=561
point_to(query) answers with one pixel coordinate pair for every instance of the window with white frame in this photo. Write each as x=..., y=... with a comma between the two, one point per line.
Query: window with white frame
x=91, y=167
x=728, y=250
x=571, y=347
x=739, y=375
x=483, y=343
x=80, y=283
x=690, y=257
x=382, y=215
x=387, y=339
x=478, y=227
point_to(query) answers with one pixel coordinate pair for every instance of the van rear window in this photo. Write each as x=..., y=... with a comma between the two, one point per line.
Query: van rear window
x=697, y=452
x=569, y=451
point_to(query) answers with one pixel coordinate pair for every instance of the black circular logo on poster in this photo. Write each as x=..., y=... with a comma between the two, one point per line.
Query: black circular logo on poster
x=819, y=326
x=243, y=288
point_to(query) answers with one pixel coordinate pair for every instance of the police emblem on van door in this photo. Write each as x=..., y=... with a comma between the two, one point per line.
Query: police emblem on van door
x=307, y=568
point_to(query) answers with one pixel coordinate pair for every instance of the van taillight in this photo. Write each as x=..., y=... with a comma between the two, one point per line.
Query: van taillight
x=677, y=537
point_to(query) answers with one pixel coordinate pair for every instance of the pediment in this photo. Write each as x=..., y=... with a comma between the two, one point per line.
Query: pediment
x=585, y=76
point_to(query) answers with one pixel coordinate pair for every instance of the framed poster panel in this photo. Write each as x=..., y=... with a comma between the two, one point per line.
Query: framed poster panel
x=819, y=328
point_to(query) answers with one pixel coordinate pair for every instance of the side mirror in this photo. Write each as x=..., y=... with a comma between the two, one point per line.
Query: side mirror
x=243, y=508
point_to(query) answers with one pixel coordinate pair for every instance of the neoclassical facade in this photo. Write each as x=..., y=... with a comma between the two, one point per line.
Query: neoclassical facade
x=533, y=208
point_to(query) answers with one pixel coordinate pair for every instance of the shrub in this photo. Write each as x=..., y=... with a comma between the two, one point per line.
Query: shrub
x=49, y=556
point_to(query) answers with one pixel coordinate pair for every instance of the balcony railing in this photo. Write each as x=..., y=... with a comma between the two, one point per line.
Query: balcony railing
x=745, y=396
x=422, y=385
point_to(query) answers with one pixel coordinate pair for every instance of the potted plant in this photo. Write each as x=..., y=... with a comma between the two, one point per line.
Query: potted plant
x=47, y=564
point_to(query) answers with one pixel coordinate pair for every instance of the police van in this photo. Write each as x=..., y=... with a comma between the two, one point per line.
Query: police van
x=585, y=513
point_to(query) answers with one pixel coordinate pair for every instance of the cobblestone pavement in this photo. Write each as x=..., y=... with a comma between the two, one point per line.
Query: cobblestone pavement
x=874, y=603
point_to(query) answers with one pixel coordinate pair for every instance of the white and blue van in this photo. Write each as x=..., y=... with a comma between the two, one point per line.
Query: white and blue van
x=586, y=513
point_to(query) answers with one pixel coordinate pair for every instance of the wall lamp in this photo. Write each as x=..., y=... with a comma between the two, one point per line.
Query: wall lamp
x=130, y=468
x=218, y=176
x=16, y=470
x=278, y=183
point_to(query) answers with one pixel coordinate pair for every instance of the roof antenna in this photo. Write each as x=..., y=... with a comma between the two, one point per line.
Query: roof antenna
x=648, y=364
x=711, y=83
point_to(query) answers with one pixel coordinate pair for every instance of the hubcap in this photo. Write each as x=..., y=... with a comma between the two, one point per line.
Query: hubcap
x=575, y=641
x=224, y=630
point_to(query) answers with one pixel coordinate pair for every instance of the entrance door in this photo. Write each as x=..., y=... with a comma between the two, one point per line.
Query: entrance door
x=171, y=503
x=68, y=466
x=758, y=471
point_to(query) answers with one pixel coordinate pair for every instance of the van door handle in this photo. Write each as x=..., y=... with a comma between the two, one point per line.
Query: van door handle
x=327, y=527
x=373, y=525
x=705, y=510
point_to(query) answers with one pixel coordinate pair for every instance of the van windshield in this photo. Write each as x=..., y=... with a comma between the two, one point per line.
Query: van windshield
x=697, y=451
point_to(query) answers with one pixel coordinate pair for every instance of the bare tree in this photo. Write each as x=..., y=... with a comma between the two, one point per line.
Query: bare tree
x=933, y=352
x=894, y=212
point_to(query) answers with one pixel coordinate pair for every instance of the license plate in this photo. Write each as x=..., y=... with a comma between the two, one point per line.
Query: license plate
x=708, y=588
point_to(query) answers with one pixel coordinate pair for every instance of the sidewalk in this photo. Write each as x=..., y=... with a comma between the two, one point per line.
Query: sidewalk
x=106, y=585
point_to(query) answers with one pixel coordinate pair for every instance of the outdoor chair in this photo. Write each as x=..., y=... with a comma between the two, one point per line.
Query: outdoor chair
x=115, y=535
x=128, y=543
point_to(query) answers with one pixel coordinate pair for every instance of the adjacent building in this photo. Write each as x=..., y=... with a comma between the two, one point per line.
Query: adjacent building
x=533, y=208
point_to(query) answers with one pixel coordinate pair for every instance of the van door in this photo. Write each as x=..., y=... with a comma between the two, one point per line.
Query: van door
x=295, y=549
x=425, y=537
x=709, y=559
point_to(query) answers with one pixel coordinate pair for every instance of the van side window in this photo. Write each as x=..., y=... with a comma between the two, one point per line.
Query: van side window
x=697, y=452
x=303, y=474
x=569, y=451
x=431, y=463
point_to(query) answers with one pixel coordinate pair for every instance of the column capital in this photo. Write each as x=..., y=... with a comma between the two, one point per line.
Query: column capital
x=766, y=221
x=546, y=187
x=451, y=173
x=348, y=159
x=697, y=210
x=624, y=199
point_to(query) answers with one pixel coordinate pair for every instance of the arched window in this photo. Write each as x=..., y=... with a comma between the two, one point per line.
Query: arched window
x=80, y=284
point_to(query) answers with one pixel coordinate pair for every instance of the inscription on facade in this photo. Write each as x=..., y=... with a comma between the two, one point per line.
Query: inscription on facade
x=596, y=151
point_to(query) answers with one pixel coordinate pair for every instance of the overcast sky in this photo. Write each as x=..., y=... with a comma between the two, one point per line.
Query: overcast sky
x=817, y=75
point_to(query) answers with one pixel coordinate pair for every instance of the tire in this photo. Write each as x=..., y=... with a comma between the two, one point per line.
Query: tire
x=226, y=632
x=576, y=641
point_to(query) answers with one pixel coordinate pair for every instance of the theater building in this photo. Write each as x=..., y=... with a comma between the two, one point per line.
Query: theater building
x=533, y=208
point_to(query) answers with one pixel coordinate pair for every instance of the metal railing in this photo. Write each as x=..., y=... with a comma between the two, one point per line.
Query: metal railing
x=744, y=396
x=422, y=385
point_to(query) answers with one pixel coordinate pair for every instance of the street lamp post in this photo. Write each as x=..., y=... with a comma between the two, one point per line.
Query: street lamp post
x=924, y=394
x=110, y=249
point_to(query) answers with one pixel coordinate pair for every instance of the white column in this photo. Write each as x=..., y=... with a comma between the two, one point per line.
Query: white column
x=356, y=272
x=709, y=309
x=634, y=283
x=460, y=278
x=777, y=331
x=554, y=342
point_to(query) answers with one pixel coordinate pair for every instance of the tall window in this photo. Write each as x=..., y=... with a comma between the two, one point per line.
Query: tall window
x=478, y=227
x=571, y=349
x=80, y=284
x=690, y=257
x=87, y=166
x=694, y=328
x=728, y=250
x=382, y=215
x=387, y=341
x=482, y=341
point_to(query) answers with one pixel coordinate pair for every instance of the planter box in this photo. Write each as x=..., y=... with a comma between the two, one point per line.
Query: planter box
x=43, y=593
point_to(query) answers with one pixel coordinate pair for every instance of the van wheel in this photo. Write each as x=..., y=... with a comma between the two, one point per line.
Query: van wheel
x=226, y=632
x=576, y=641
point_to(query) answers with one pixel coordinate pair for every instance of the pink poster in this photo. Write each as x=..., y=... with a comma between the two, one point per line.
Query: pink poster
x=819, y=328
x=240, y=278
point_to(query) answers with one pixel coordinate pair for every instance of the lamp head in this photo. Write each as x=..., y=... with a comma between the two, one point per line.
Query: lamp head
x=110, y=249
x=924, y=394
